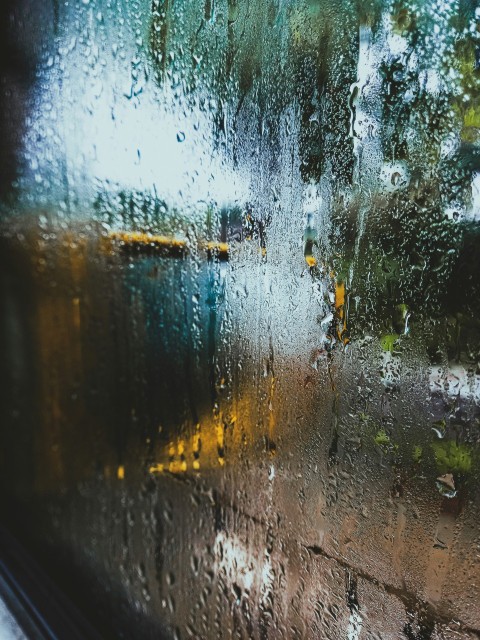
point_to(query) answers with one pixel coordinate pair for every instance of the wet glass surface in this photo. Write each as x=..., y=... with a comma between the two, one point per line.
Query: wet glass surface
x=240, y=337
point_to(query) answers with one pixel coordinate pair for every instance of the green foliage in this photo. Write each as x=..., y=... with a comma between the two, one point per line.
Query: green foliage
x=417, y=453
x=382, y=438
x=452, y=457
x=388, y=341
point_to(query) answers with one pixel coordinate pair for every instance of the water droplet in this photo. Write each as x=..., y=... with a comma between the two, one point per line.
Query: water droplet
x=439, y=428
x=180, y=136
x=446, y=485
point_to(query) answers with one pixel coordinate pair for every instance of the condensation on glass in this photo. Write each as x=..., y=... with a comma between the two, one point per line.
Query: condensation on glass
x=240, y=335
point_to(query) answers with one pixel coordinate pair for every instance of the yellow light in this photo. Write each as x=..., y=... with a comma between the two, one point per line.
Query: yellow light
x=138, y=241
x=155, y=468
x=339, y=294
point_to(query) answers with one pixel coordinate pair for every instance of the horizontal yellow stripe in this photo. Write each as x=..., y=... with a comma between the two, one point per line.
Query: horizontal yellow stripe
x=139, y=239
